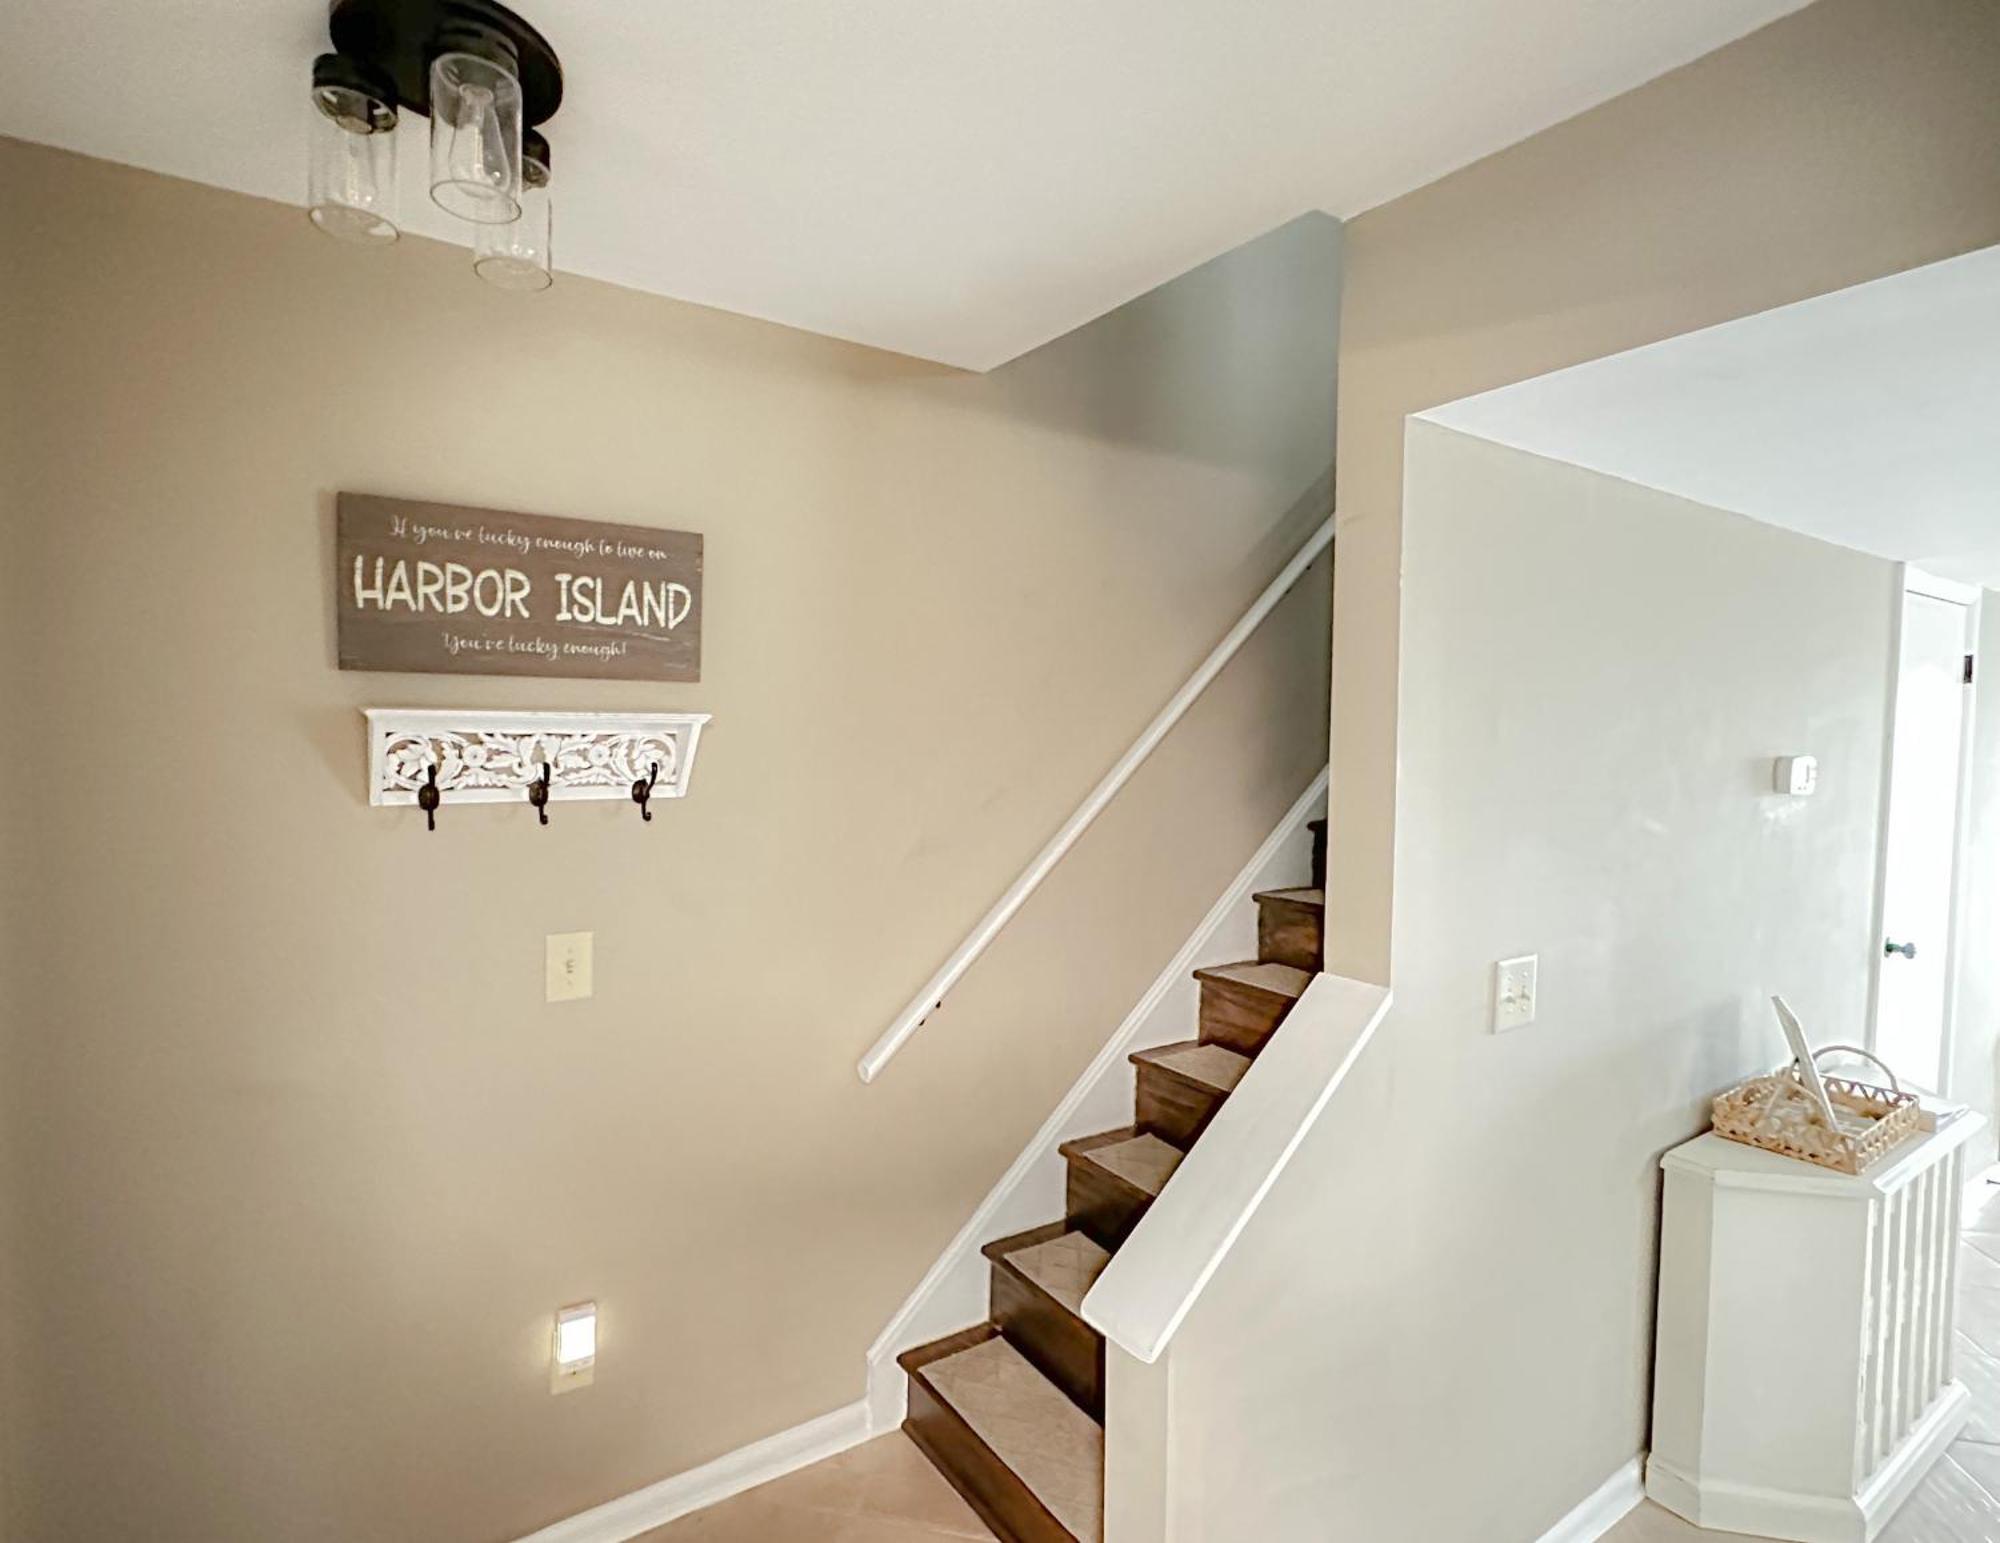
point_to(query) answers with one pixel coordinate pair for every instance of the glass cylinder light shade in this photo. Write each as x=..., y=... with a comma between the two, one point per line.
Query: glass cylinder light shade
x=475, y=139
x=516, y=256
x=351, y=166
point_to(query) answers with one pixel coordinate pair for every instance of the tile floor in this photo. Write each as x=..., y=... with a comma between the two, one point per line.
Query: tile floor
x=887, y=1492
x=883, y=1491
x=1959, y=1500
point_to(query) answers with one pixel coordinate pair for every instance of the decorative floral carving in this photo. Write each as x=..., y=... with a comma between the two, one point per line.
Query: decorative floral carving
x=583, y=761
x=515, y=760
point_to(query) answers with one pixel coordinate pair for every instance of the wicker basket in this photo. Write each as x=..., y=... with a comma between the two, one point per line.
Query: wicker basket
x=1779, y=1115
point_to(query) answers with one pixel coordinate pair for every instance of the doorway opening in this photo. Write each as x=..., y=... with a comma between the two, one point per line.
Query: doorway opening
x=1923, y=815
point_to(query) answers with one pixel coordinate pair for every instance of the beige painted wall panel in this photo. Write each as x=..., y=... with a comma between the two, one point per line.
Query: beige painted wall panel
x=1852, y=139
x=309, y=1162
x=16, y=896
x=1439, y=1328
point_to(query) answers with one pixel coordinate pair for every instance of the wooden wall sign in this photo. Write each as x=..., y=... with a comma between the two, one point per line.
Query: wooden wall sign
x=441, y=589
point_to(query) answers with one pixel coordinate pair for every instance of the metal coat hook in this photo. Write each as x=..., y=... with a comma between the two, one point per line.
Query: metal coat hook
x=538, y=793
x=428, y=798
x=642, y=793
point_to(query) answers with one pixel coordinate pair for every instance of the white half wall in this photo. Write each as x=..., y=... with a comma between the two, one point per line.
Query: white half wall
x=1438, y=1329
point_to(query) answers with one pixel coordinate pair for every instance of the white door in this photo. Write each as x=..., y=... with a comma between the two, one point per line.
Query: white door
x=1920, y=847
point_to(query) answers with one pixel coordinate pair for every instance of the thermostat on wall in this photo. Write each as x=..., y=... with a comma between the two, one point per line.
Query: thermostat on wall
x=1795, y=774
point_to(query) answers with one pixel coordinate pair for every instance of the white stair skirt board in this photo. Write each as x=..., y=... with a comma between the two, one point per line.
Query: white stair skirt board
x=1604, y=1508
x=952, y=1294
x=1771, y=1513
x=730, y=1474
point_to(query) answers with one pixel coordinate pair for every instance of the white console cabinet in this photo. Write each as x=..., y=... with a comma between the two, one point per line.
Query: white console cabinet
x=1803, y=1379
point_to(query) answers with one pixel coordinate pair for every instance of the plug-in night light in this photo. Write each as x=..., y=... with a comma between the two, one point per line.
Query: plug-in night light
x=575, y=1346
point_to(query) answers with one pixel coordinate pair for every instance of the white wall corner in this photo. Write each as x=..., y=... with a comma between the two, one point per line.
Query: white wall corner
x=772, y=1458
x=1603, y=1508
x=1980, y=1181
x=1139, y=1471
x=952, y=1294
x=888, y=1395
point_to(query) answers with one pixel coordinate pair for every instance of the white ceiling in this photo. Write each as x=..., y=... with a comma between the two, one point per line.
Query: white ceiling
x=1869, y=417
x=952, y=179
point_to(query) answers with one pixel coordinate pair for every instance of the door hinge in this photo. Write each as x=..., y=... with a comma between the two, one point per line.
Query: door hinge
x=1968, y=669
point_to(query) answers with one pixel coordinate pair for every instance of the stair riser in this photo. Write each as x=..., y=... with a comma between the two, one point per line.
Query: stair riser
x=1061, y=1346
x=1172, y=1108
x=1103, y=1205
x=1290, y=933
x=1239, y=1017
x=989, y=1486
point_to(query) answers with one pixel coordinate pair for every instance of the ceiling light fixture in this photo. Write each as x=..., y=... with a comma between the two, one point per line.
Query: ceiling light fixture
x=516, y=255
x=485, y=79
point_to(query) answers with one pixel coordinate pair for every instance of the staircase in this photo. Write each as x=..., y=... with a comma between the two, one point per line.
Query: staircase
x=1012, y=1410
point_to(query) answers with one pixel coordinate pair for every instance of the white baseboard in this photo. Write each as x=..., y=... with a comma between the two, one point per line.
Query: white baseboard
x=1904, y=1471
x=1721, y=1505
x=1603, y=1508
x=952, y=1293
x=730, y=1474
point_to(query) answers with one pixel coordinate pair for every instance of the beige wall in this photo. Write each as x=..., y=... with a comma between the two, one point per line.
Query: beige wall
x=1852, y=139
x=1440, y=1326
x=15, y=896
x=307, y=1161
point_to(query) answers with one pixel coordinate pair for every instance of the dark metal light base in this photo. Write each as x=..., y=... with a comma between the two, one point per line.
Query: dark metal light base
x=401, y=37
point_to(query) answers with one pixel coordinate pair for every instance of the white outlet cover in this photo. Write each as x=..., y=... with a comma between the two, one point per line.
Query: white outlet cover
x=1514, y=992
x=568, y=966
x=1797, y=775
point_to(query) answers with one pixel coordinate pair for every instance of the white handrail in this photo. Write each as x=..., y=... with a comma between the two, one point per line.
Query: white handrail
x=932, y=996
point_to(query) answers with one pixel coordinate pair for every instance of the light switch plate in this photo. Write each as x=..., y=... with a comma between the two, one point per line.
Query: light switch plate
x=1514, y=992
x=569, y=966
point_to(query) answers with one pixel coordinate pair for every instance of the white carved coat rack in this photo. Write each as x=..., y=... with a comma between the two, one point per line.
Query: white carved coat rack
x=534, y=757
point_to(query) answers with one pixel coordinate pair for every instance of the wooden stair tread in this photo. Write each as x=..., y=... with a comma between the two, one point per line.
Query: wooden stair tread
x=1035, y=1290
x=1011, y=1410
x=1139, y=1158
x=1282, y=980
x=1026, y=1421
x=1065, y=1266
x=1212, y=1067
x=1311, y=897
x=1291, y=927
